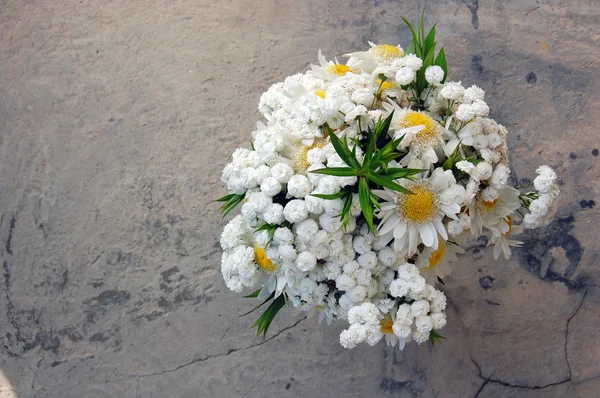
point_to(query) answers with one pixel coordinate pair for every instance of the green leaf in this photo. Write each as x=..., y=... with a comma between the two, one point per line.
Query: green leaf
x=332, y=196
x=260, y=305
x=341, y=147
x=225, y=198
x=345, y=215
x=415, y=40
x=435, y=337
x=440, y=61
x=388, y=183
x=254, y=294
x=429, y=43
x=231, y=201
x=411, y=47
x=396, y=173
x=336, y=171
x=264, y=321
x=364, y=196
x=265, y=227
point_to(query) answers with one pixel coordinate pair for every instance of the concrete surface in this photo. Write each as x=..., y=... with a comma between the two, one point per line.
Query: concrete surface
x=116, y=118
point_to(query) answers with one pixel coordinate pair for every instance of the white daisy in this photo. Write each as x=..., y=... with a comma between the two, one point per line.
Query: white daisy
x=423, y=135
x=500, y=240
x=329, y=70
x=378, y=55
x=434, y=263
x=410, y=219
x=493, y=214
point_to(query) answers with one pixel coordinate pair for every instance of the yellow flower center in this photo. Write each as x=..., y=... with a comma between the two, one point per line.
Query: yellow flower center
x=429, y=135
x=387, y=51
x=436, y=256
x=488, y=206
x=385, y=86
x=301, y=162
x=320, y=93
x=509, y=221
x=420, y=207
x=263, y=261
x=386, y=324
x=339, y=69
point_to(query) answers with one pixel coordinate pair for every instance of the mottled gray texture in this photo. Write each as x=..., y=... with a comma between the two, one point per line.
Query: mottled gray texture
x=116, y=118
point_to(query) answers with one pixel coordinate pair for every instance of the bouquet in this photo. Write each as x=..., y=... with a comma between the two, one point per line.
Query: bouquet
x=361, y=185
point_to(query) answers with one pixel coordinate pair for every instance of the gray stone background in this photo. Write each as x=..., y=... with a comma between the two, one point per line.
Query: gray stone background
x=116, y=118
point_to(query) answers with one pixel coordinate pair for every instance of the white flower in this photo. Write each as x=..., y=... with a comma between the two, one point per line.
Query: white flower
x=473, y=93
x=270, y=186
x=306, y=261
x=452, y=91
x=480, y=108
x=282, y=172
x=274, y=214
x=299, y=186
x=353, y=336
x=419, y=307
x=233, y=233
x=283, y=235
x=434, y=75
x=438, y=320
x=306, y=229
x=413, y=218
x=465, y=112
x=424, y=324
x=545, y=181
x=295, y=211
x=405, y=75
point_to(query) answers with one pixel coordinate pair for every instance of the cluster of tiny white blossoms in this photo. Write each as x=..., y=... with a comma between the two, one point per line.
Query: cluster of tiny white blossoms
x=298, y=238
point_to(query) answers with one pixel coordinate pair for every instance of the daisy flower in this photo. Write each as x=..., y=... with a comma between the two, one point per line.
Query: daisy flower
x=423, y=135
x=378, y=55
x=329, y=70
x=410, y=219
x=435, y=263
x=500, y=240
x=492, y=214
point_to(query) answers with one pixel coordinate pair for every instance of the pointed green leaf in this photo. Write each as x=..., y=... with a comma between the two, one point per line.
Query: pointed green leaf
x=388, y=183
x=429, y=43
x=336, y=171
x=364, y=196
x=341, y=147
x=333, y=196
x=260, y=305
x=254, y=294
x=440, y=60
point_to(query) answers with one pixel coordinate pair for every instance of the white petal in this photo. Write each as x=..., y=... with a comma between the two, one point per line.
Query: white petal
x=426, y=235
x=400, y=230
x=439, y=226
x=388, y=225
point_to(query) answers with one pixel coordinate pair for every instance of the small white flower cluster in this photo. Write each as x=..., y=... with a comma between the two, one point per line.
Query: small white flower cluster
x=302, y=233
x=543, y=209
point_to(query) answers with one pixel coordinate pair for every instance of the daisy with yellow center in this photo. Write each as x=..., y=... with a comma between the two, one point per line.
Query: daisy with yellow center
x=500, y=238
x=377, y=56
x=301, y=163
x=329, y=70
x=386, y=51
x=338, y=69
x=411, y=219
x=493, y=214
x=422, y=134
x=434, y=263
x=260, y=256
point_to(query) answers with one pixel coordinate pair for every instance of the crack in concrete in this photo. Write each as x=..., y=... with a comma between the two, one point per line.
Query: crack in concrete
x=230, y=351
x=567, y=331
x=8, y=246
x=487, y=380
